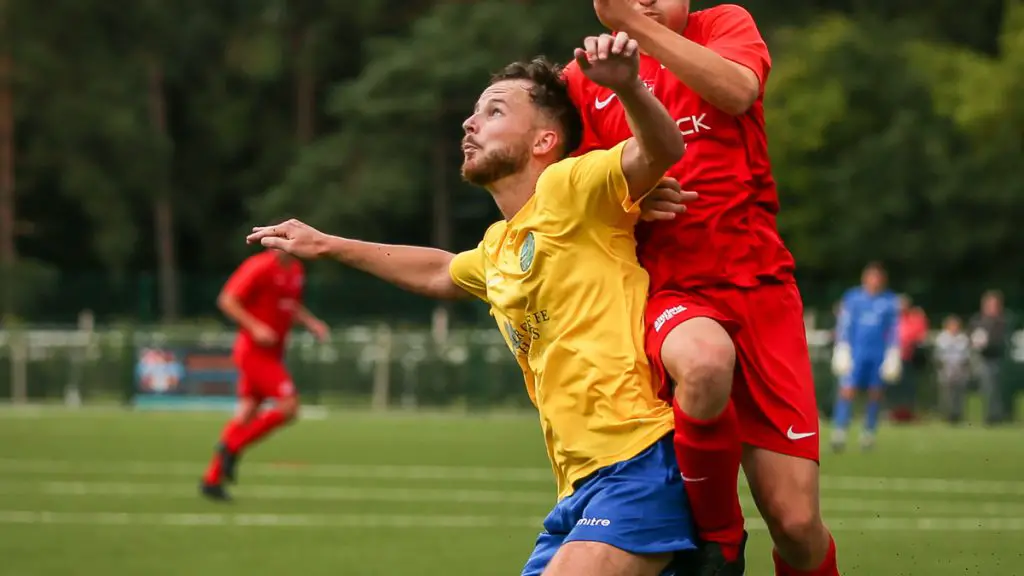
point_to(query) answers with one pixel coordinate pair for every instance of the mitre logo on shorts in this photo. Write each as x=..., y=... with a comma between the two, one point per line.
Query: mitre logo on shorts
x=667, y=315
x=593, y=522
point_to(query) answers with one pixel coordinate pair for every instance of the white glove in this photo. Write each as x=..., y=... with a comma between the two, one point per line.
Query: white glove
x=842, y=359
x=979, y=338
x=892, y=366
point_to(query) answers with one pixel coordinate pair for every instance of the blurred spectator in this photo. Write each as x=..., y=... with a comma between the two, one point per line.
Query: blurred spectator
x=953, y=359
x=989, y=335
x=912, y=332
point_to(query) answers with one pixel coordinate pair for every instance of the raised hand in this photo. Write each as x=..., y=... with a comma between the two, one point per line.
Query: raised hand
x=610, y=61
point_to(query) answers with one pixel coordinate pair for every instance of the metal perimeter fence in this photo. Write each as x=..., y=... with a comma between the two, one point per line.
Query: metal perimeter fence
x=373, y=367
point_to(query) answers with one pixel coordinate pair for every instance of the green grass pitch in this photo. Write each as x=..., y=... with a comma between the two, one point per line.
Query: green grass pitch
x=113, y=493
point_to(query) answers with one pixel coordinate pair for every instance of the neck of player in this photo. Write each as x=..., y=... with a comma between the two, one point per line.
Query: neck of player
x=512, y=192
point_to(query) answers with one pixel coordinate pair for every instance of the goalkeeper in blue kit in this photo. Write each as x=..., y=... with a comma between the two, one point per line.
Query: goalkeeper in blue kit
x=866, y=355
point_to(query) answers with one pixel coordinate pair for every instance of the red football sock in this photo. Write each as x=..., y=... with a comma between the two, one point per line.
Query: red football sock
x=262, y=425
x=213, y=471
x=231, y=429
x=709, y=454
x=828, y=567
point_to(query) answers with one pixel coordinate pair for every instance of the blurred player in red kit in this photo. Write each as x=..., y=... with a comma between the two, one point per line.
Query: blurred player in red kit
x=725, y=329
x=264, y=297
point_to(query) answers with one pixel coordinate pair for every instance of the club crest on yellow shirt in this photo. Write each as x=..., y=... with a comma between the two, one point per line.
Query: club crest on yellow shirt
x=526, y=252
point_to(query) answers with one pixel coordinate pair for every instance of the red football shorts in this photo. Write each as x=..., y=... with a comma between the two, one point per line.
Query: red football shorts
x=773, y=389
x=263, y=376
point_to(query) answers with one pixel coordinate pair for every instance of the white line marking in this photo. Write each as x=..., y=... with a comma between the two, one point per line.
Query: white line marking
x=913, y=507
x=942, y=486
x=270, y=492
x=934, y=485
x=539, y=498
x=929, y=524
x=412, y=472
x=432, y=521
x=265, y=520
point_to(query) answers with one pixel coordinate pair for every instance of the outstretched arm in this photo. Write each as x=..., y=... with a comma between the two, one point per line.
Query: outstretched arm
x=728, y=73
x=657, y=143
x=413, y=268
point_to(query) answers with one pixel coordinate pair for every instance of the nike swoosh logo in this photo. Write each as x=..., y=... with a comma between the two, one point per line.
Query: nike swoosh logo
x=685, y=479
x=602, y=104
x=798, y=435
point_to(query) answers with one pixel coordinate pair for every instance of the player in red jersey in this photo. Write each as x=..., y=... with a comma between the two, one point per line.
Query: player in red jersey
x=264, y=297
x=725, y=327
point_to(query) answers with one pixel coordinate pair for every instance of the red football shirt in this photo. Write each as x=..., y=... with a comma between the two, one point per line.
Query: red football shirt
x=270, y=289
x=729, y=236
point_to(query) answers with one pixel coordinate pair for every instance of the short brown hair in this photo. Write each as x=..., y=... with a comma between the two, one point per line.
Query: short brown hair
x=550, y=93
x=993, y=294
x=875, y=266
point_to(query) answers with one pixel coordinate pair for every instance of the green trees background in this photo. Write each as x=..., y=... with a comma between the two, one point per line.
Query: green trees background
x=140, y=140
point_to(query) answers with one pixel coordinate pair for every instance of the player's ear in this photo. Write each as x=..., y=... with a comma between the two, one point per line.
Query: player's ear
x=545, y=142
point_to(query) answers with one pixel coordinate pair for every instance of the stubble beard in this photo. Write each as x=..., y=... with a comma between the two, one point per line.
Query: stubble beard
x=494, y=166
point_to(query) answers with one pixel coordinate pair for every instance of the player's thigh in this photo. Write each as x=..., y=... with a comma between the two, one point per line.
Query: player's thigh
x=774, y=392
x=544, y=551
x=269, y=378
x=688, y=340
x=248, y=404
x=600, y=559
x=867, y=373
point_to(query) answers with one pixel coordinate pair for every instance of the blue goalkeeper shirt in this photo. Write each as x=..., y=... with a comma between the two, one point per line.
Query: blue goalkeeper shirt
x=868, y=323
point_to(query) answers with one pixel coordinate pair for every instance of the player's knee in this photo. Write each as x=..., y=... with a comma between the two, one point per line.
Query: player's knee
x=700, y=358
x=797, y=529
x=793, y=518
x=246, y=410
x=290, y=408
x=848, y=392
x=876, y=394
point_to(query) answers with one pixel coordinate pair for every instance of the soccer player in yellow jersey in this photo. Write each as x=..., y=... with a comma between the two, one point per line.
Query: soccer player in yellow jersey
x=562, y=279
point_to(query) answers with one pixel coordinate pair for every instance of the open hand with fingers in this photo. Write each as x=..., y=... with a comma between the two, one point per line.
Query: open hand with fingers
x=610, y=61
x=294, y=237
x=666, y=201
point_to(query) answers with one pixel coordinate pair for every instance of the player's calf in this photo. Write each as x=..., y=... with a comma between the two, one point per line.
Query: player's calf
x=228, y=463
x=871, y=416
x=841, y=415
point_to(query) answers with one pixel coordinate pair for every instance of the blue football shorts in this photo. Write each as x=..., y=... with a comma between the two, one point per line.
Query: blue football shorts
x=638, y=505
x=865, y=375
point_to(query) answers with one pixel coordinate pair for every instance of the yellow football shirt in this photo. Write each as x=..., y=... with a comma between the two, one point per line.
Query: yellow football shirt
x=567, y=292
